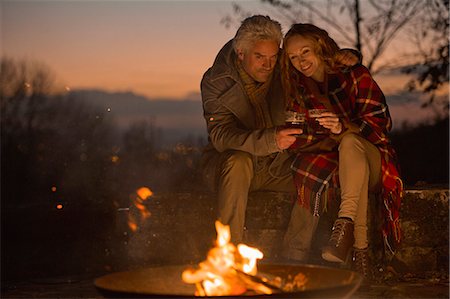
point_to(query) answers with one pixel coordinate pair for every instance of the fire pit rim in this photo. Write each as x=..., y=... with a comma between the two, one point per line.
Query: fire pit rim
x=112, y=285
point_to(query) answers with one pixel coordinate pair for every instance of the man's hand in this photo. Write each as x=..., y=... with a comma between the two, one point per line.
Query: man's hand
x=348, y=57
x=285, y=137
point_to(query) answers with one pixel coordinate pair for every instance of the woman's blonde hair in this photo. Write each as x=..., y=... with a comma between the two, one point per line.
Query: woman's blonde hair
x=324, y=47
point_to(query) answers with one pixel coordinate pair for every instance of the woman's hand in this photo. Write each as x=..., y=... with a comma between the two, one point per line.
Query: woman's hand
x=330, y=121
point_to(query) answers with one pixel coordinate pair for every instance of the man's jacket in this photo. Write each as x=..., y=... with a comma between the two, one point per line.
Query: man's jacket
x=230, y=117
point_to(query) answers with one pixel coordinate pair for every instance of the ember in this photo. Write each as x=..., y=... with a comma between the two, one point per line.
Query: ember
x=230, y=270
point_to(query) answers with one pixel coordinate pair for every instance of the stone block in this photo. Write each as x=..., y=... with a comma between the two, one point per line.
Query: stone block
x=418, y=259
x=425, y=228
x=424, y=217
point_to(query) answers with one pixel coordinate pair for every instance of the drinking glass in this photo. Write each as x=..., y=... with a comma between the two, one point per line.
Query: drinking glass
x=294, y=119
x=316, y=128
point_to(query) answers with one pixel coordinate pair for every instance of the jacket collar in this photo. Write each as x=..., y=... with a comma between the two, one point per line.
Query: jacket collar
x=224, y=63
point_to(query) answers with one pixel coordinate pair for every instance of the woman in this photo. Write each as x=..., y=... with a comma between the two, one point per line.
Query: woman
x=345, y=147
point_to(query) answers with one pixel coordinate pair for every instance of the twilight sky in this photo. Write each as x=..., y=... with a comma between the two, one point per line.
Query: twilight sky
x=154, y=48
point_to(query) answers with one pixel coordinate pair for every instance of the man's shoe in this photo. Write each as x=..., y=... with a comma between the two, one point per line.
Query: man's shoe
x=339, y=245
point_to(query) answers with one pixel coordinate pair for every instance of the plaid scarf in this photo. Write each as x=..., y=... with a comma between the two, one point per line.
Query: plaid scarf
x=257, y=93
x=356, y=98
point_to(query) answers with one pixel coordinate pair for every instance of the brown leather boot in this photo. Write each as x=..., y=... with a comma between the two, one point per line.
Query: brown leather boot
x=340, y=243
x=363, y=264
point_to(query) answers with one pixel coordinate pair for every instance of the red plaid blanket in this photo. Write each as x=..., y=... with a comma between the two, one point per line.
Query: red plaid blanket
x=357, y=99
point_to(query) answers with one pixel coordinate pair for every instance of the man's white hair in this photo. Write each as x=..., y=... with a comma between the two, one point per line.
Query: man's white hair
x=256, y=28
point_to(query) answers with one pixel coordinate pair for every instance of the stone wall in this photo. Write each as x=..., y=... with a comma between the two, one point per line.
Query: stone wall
x=181, y=228
x=425, y=226
x=43, y=240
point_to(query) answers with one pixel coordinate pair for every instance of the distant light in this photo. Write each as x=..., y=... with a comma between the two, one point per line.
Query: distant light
x=108, y=109
x=59, y=206
x=54, y=189
x=115, y=159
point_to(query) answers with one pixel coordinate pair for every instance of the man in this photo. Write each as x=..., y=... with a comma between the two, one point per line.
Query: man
x=243, y=105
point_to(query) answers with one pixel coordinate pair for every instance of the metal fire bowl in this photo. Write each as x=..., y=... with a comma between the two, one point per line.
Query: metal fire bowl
x=165, y=282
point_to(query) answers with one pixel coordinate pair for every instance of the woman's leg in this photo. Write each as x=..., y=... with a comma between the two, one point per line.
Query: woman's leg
x=359, y=171
x=359, y=167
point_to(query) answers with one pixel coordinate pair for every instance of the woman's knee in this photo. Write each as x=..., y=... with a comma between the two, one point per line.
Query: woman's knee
x=351, y=142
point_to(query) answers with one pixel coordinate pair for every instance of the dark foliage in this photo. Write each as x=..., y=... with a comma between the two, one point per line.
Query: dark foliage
x=423, y=153
x=432, y=72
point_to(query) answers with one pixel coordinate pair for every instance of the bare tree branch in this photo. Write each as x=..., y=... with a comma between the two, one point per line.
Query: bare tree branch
x=369, y=26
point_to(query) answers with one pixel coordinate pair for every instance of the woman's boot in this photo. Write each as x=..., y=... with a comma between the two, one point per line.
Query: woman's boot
x=340, y=243
x=363, y=265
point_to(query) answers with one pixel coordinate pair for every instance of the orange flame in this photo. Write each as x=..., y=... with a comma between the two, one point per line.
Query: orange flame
x=143, y=194
x=132, y=225
x=226, y=269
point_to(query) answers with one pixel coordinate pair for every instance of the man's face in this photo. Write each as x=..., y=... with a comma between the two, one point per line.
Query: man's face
x=260, y=59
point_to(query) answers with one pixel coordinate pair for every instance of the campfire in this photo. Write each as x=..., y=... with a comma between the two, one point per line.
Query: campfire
x=230, y=270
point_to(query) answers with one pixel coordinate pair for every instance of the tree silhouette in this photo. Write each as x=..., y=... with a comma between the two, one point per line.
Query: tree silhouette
x=55, y=173
x=423, y=153
x=369, y=26
x=138, y=163
x=431, y=73
x=24, y=93
x=48, y=139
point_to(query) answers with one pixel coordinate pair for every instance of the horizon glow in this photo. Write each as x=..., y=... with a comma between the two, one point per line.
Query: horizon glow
x=154, y=48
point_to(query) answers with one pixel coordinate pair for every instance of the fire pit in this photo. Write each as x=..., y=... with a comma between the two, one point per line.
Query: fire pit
x=166, y=282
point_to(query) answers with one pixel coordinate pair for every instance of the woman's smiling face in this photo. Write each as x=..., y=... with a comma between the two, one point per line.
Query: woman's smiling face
x=301, y=53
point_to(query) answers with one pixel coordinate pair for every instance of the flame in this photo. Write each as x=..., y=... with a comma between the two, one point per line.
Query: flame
x=143, y=194
x=227, y=269
x=132, y=225
x=223, y=234
x=249, y=255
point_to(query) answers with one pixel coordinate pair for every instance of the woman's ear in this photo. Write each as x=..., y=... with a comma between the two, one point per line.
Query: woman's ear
x=240, y=54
